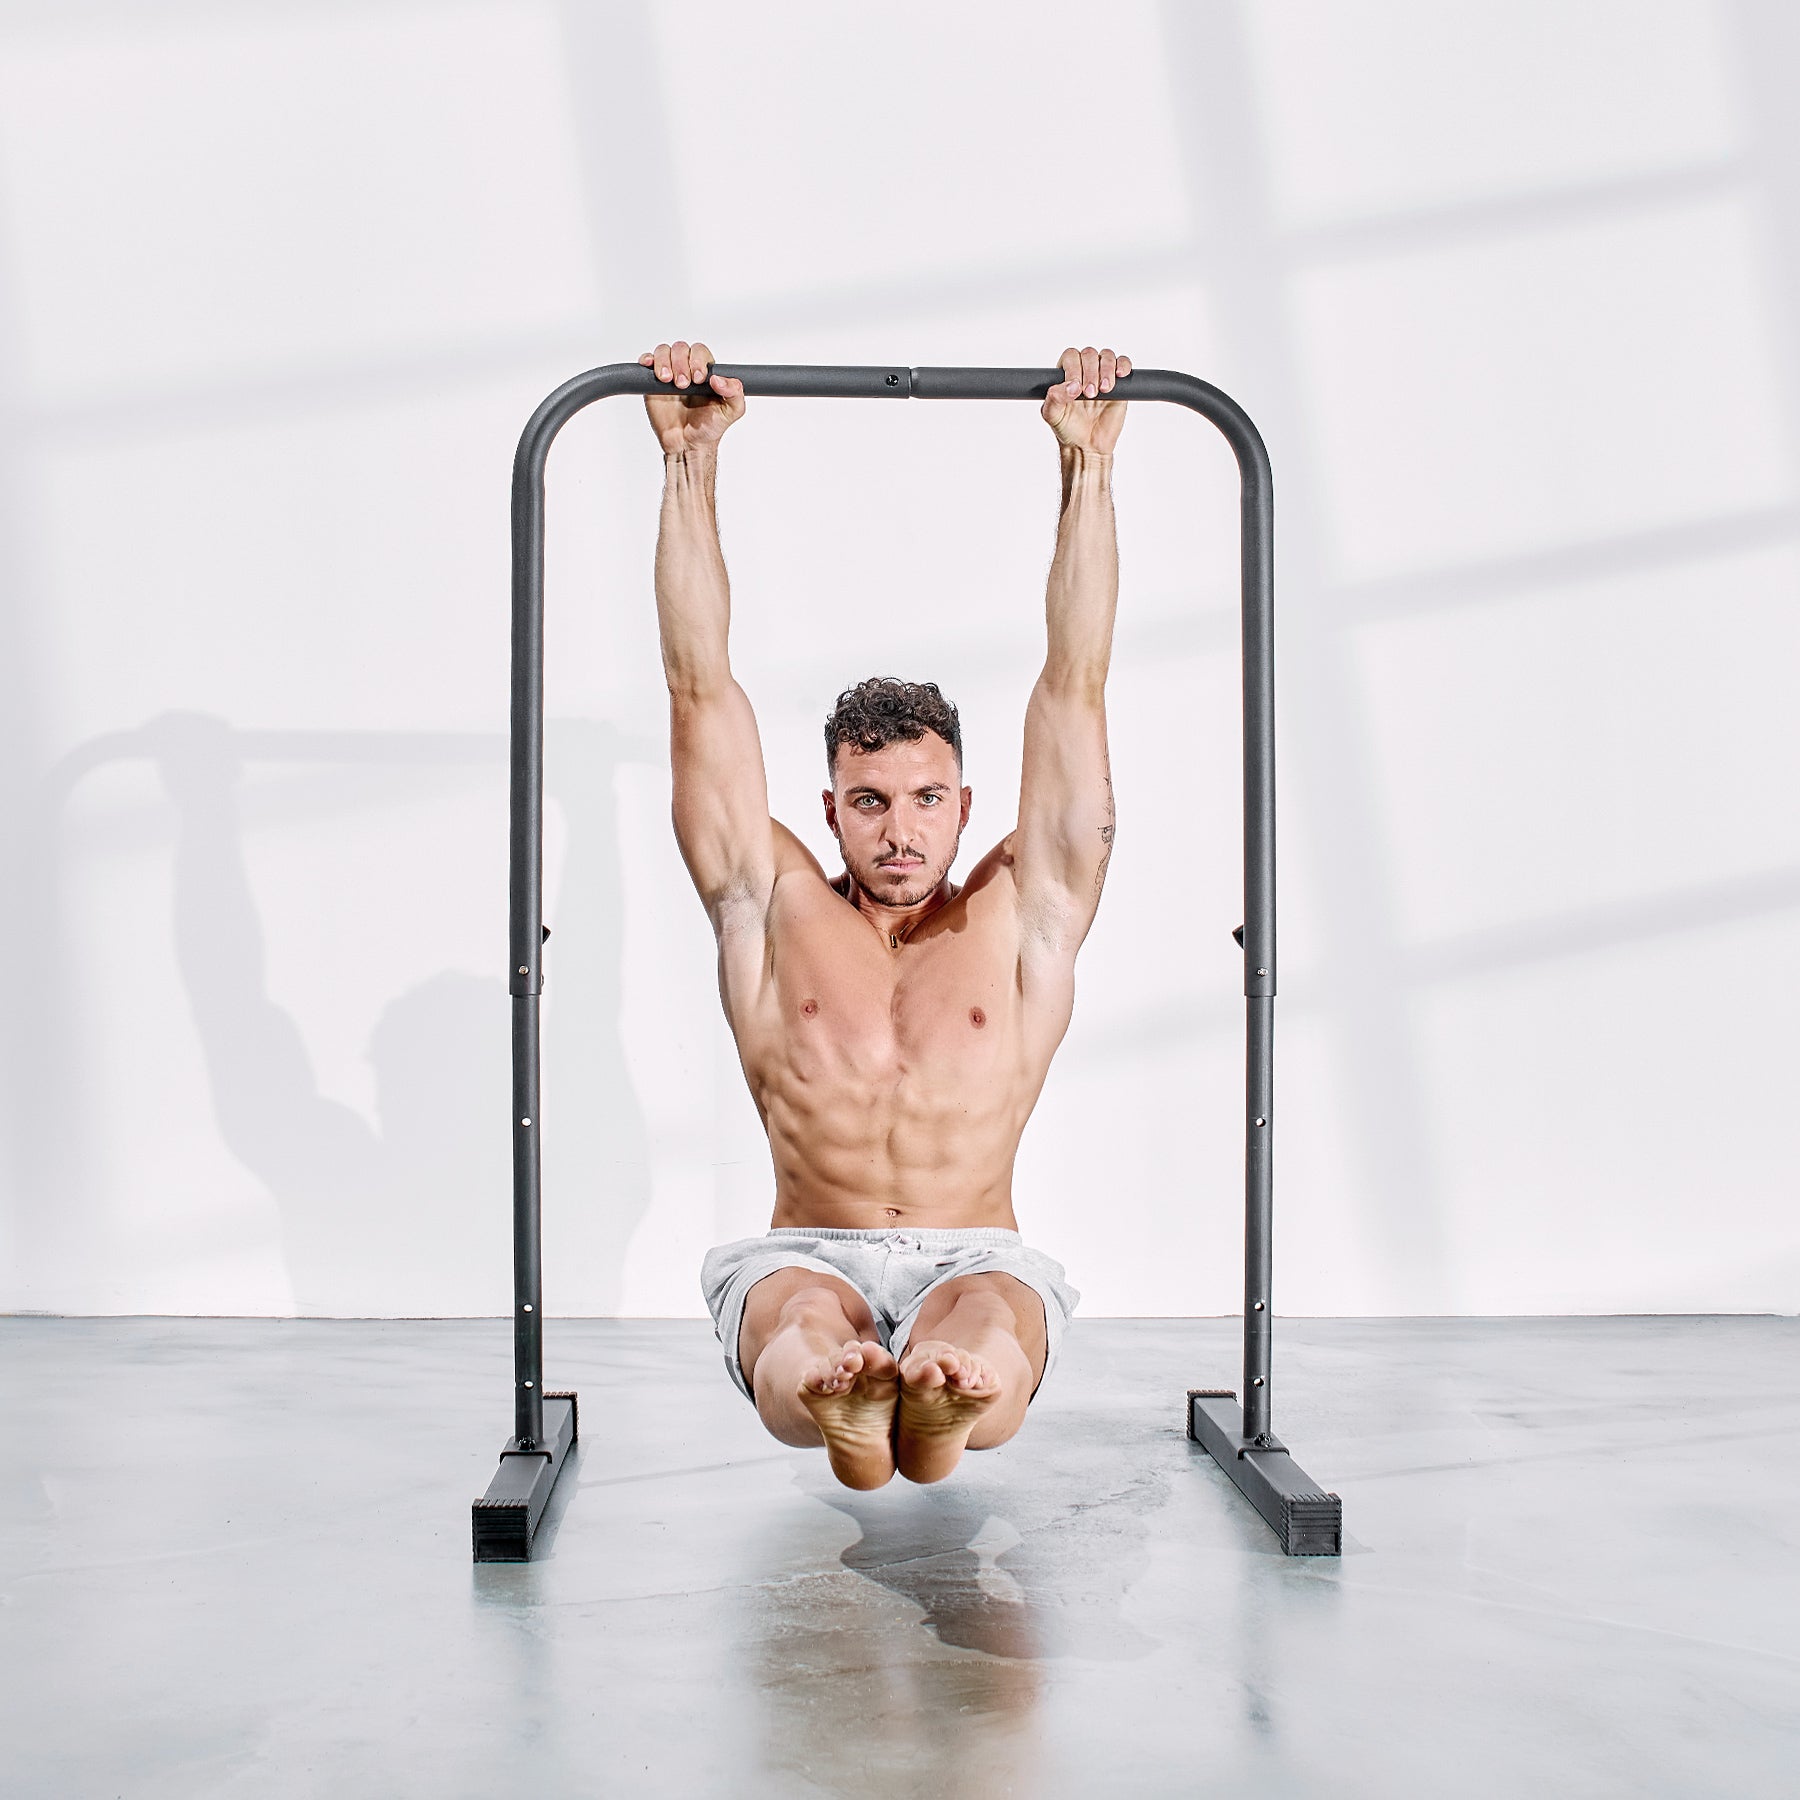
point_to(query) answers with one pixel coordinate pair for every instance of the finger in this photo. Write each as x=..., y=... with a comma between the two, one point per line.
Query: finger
x=700, y=363
x=661, y=354
x=1109, y=367
x=1090, y=371
x=1071, y=368
x=678, y=356
x=1124, y=365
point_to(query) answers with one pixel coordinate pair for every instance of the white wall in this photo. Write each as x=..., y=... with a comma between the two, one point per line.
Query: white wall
x=1510, y=288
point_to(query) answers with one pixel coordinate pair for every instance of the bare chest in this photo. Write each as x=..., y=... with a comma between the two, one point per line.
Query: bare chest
x=842, y=999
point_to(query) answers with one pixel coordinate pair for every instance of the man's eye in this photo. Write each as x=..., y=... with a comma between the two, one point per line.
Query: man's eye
x=933, y=798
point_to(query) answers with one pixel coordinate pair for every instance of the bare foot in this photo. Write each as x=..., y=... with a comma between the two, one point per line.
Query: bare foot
x=851, y=1397
x=943, y=1391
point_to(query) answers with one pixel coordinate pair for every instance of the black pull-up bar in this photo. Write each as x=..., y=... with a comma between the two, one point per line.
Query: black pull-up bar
x=505, y=1521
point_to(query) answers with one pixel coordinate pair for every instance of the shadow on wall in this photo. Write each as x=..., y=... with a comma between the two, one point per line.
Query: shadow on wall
x=363, y=1211
x=411, y=1216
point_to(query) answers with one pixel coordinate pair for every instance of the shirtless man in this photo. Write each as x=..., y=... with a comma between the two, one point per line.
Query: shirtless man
x=894, y=1026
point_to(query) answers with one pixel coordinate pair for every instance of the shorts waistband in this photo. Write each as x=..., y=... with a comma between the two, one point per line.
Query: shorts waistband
x=931, y=1238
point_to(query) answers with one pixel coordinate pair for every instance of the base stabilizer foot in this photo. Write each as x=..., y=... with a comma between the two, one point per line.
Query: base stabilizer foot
x=1307, y=1520
x=506, y=1518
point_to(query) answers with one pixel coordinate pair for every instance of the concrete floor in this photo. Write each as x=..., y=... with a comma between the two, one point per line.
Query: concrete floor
x=235, y=1562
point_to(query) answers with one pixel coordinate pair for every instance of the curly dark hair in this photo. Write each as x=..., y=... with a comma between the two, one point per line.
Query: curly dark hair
x=883, y=710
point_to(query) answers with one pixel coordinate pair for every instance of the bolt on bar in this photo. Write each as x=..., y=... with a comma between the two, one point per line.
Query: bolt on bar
x=1257, y=934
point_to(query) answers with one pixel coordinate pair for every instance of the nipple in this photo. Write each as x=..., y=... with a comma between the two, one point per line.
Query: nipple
x=810, y=1007
x=976, y=1016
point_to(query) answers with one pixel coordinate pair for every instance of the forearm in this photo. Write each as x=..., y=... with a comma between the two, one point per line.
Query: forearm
x=693, y=595
x=1083, y=591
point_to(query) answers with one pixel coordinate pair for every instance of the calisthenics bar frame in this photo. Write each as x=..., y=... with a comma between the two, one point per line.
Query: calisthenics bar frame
x=1307, y=1520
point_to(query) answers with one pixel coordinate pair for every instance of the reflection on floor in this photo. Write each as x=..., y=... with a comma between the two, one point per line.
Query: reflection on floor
x=235, y=1563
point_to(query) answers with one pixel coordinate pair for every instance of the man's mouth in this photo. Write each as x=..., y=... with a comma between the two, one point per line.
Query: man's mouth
x=904, y=862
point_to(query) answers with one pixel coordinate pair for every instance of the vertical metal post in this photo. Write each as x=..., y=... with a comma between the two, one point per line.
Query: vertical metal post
x=1258, y=573
x=1307, y=1520
x=526, y=905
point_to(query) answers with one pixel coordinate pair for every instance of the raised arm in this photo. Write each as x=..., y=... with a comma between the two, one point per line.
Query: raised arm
x=1065, y=831
x=721, y=796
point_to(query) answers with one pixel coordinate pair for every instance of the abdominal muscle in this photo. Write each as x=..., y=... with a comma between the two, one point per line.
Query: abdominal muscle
x=860, y=1155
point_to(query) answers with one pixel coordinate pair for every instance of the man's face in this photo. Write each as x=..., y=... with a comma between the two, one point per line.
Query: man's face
x=898, y=813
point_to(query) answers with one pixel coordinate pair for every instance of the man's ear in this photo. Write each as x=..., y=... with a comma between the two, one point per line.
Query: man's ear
x=968, y=795
x=830, y=800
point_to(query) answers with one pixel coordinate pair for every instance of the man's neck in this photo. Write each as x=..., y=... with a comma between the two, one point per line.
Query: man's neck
x=895, y=923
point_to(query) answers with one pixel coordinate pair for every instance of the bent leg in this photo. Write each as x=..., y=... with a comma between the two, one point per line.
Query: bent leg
x=818, y=1373
x=974, y=1356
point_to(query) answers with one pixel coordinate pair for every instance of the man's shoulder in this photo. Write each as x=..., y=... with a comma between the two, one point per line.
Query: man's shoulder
x=802, y=892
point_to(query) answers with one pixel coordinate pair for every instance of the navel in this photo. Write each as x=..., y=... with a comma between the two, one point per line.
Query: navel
x=976, y=1016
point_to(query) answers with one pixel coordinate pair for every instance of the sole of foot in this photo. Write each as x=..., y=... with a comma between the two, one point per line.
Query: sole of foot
x=943, y=1392
x=851, y=1397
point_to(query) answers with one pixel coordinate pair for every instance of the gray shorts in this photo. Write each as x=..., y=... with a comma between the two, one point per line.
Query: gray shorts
x=892, y=1270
